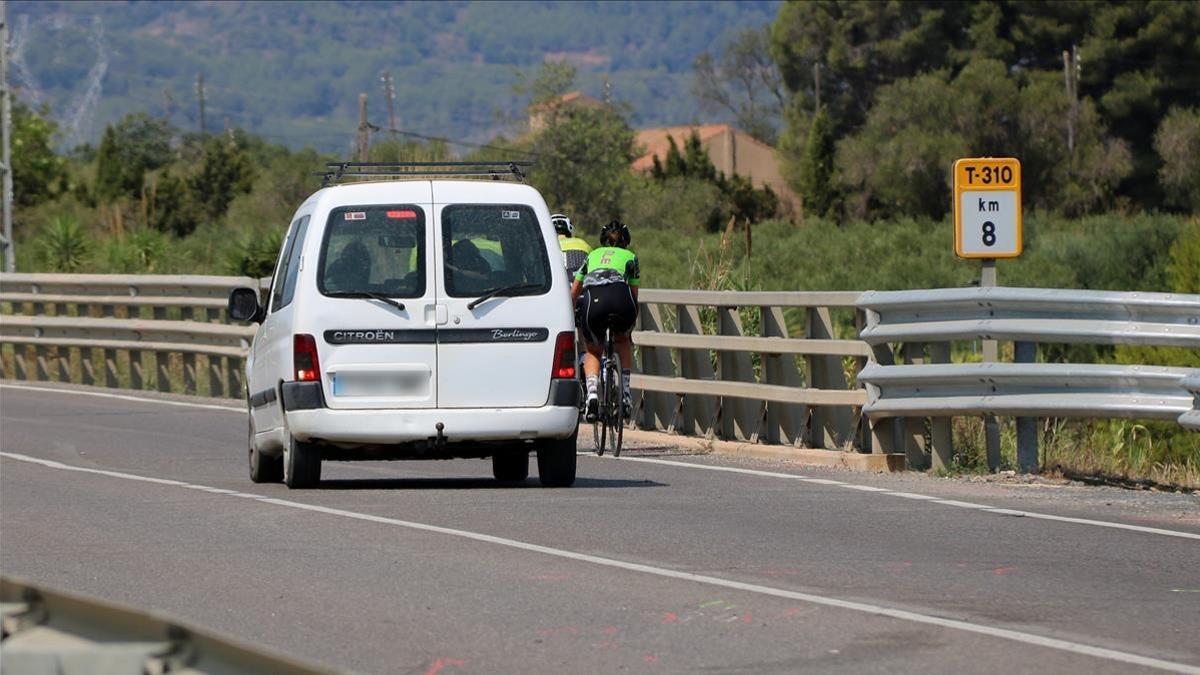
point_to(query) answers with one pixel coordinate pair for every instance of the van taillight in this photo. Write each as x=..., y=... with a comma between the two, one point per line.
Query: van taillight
x=563, y=367
x=304, y=356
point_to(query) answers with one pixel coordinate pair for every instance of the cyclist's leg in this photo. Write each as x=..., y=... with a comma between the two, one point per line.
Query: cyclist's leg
x=591, y=360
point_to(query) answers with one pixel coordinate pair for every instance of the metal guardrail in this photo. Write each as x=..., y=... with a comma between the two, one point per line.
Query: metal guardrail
x=749, y=366
x=930, y=386
x=135, y=331
x=1190, y=419
x=47, y=631
x=724, y=364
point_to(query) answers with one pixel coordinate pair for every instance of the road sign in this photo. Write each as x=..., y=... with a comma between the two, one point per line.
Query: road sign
x=987, y=207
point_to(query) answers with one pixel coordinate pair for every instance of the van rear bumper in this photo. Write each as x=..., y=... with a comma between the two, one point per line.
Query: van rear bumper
x=386, y=427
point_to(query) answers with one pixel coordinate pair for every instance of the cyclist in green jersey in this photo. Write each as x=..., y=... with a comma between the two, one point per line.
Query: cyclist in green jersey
x=608, y=285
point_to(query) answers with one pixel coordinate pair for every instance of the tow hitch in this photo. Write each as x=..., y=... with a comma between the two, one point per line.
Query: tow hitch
x=438, y=442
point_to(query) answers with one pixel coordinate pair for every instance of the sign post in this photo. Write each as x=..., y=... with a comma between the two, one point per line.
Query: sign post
x=987, y=226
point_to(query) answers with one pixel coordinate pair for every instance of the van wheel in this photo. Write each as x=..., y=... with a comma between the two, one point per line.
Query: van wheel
x=556, y=461
x=510, y=466
x=301, y=464
x=263, y=469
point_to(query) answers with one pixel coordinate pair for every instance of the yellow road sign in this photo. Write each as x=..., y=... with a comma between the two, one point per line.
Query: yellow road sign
x=987, y=207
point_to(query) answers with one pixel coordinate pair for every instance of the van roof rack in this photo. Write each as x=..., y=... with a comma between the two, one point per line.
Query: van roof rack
x=338, y=172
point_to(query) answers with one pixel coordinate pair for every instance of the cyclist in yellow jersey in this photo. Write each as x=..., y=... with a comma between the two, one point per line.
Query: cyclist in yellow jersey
x=608, y=283
x=574, y=249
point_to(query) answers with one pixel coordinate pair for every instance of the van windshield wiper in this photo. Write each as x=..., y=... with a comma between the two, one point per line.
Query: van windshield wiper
x=503, y=290
x=367, y=294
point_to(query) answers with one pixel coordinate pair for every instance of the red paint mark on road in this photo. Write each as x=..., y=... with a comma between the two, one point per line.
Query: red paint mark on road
x=552, y=577
x=790, y=612
x=606, y=644
x=439, y=665
x=670, y=617
x=611, y=630
x=747, y=619
x=1001, y=571
x=649, y=658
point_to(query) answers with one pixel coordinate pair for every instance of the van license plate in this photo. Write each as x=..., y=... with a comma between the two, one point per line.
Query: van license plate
x=379, y=384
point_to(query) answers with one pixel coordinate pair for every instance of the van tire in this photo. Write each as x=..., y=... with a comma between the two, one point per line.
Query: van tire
x=263, y=469
x=301, y=464
x=510, y=466
x=556, y=461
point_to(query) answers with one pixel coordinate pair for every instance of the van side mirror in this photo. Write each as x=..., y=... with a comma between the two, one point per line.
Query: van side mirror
x=243, y=305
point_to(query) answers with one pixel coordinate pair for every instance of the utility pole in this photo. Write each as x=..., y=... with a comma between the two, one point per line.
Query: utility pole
x=1071, y=72
x=200, y=98
x=363, y=142
x=10, y=262
x=389, y=93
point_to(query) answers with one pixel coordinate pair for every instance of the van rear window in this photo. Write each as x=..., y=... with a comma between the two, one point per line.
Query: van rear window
x=376, y=248
x=488, y=246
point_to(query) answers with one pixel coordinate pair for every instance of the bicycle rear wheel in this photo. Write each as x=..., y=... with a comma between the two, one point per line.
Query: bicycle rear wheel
x=615, y=417
x=598, y=425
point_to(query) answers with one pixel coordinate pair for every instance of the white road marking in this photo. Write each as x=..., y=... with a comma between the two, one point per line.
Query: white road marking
x=878, y=610
x=125, y=397
x=982, y=508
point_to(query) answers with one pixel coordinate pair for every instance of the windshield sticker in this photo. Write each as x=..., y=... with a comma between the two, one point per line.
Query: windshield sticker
x=510, y=215
x=356, y=215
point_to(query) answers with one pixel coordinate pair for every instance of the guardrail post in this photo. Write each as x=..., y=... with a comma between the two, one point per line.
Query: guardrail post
x=20, y=362
x=916, y=450
x=940, y=432
x=111, y=380
x=657, y=408
x=831, y=425
x=87, y=367
x=1027, y=439
x=136, y=372
x=699, y=412
x=236, y=378
x=785, y=421
x=162, y=360
x=739, y=416
x=189, y=373
x=215, y=384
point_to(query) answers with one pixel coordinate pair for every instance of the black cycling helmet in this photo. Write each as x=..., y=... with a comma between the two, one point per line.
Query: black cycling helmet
x=562, y=224
x=615, y=233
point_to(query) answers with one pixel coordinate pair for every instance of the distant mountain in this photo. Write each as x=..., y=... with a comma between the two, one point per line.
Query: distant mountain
x=292, y=71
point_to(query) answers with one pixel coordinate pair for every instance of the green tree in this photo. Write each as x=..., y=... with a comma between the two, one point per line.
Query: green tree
x=816, y=171
x=583, y=153
x=1177, y=142
x=136, y=144
x=38, y=172
x=225, y=172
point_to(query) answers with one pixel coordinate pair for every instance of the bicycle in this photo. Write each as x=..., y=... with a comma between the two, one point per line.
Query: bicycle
x=609, y=428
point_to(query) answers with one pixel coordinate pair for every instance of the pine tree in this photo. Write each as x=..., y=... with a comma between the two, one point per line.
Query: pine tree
x=816, y=168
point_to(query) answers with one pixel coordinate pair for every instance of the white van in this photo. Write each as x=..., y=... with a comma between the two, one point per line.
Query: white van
x=419, y=318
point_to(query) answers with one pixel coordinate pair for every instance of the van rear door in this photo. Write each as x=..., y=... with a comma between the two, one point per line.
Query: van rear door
x=376, y=305
x=497, y=352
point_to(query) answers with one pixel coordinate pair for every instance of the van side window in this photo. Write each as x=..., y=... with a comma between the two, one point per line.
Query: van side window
x=374, y=249
x=285, y=278
x=488, y=246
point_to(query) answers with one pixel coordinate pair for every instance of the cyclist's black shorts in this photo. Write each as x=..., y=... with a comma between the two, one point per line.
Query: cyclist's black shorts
x=610, y=305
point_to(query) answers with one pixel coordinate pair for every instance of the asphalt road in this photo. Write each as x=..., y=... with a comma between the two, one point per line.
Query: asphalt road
x=654, y=562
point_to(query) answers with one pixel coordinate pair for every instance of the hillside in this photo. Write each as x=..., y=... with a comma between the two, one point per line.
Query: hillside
x=292, y=72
